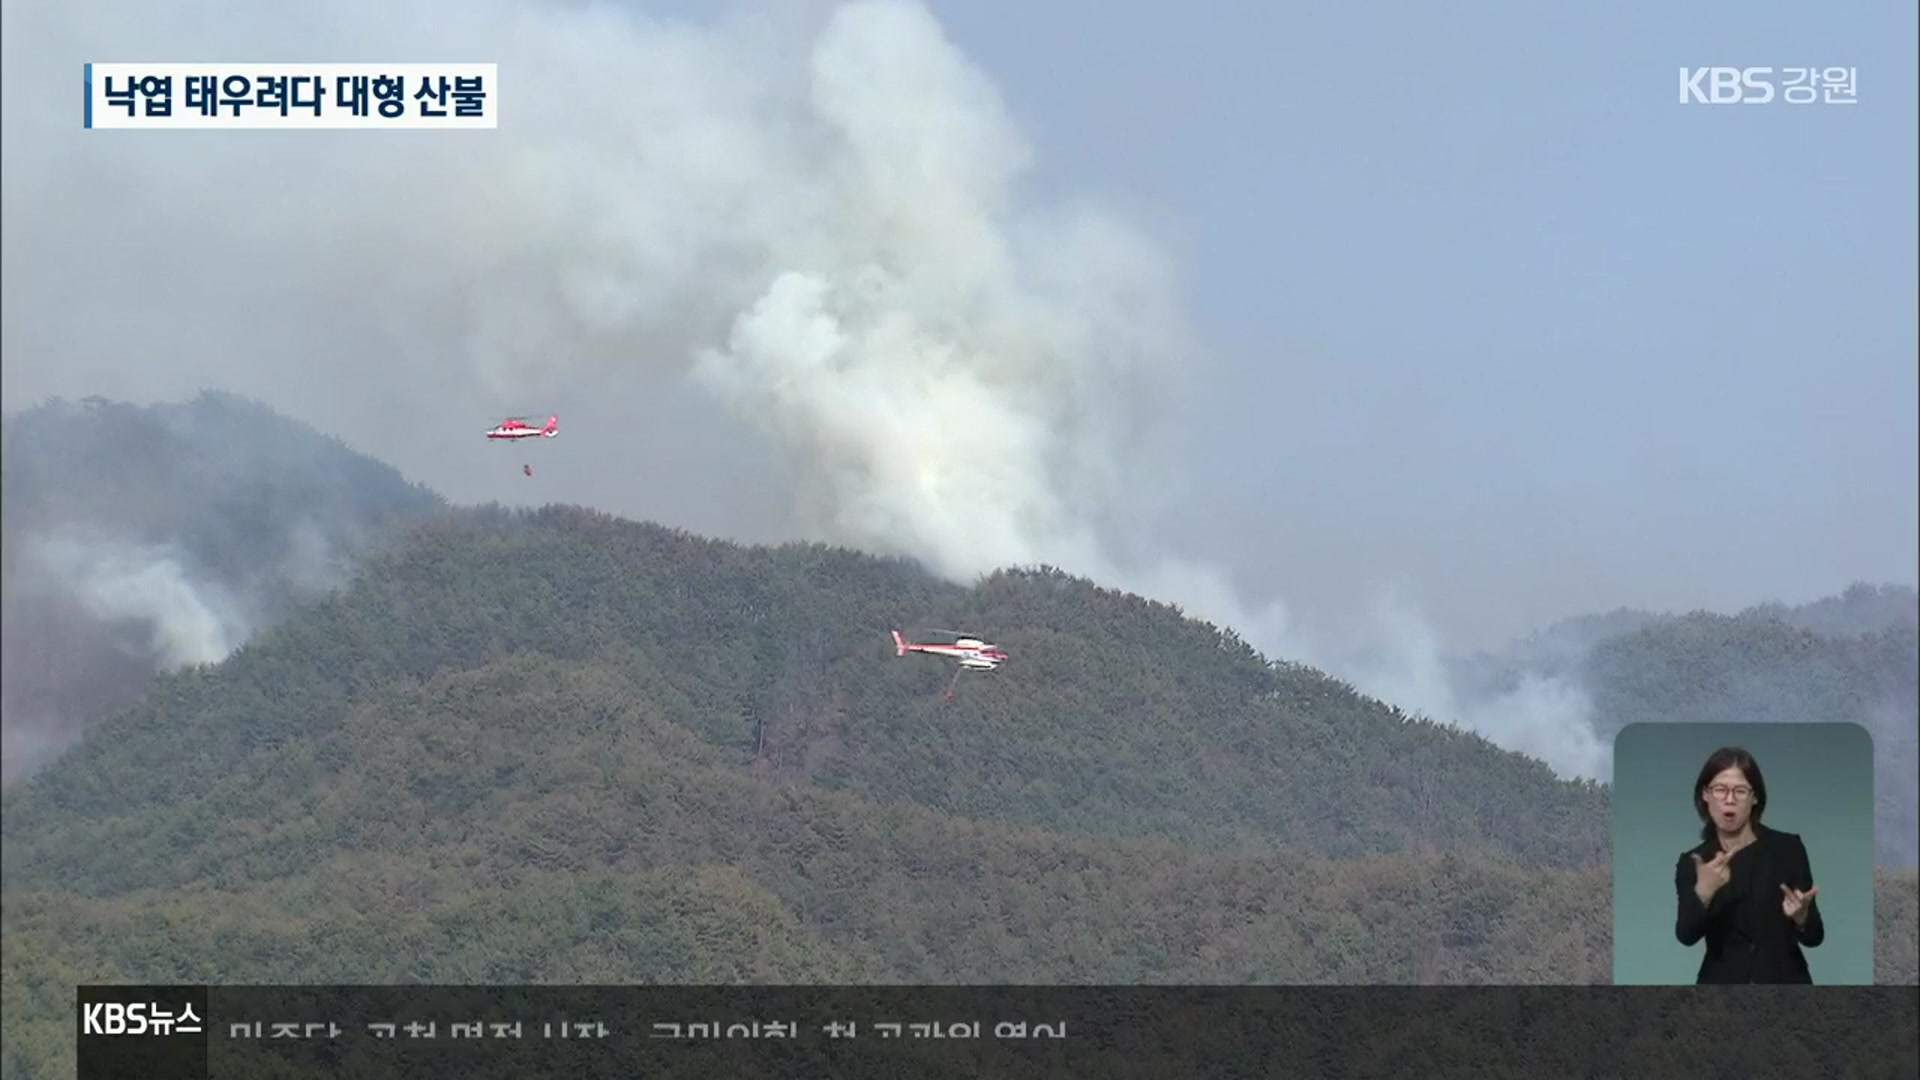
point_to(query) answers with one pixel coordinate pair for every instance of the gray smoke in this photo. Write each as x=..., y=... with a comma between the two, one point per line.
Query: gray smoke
x=813, y=214
x=183, y=621
x=89, y=619
x=1394, y=654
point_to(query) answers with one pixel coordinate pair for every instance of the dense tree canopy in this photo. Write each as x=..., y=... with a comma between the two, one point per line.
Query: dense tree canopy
x=556, y=746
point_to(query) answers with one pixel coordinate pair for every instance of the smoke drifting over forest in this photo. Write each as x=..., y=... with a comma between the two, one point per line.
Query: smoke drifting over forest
x=150, y=539
x=813, y=215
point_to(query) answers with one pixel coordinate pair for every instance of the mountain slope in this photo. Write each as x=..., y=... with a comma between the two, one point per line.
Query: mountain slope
x=1117, y=718
x=468, y=802
x=138, y=539
x=1851, y=658
x=528, y=821
x=556, y=745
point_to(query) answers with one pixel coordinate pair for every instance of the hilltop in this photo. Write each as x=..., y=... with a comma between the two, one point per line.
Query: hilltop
x=220, y=475
x=141, y=538
x=1861, y=609
x=1562, y=648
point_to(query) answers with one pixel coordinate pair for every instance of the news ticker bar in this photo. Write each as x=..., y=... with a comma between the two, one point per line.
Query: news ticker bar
x=472, y=1032
x=310, y=97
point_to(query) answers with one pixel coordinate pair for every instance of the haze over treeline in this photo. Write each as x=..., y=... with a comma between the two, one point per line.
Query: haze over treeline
x=813, y=275
x=149, y=539
x=558, y=746
x=144, y=539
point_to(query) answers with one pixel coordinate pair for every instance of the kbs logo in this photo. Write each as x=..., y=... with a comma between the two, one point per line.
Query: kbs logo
x=1726, y=86
x=138, y=1018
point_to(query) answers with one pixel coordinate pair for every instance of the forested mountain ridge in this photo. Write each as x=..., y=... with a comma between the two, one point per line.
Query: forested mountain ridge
x=1117, y=717
x=1861, y=608
x=1758, y=668
x=209, y=473
x=1850, y=658
x=1562, y=649
x=556, y=745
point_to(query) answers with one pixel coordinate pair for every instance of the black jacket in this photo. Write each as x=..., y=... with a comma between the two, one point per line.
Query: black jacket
x=1749, y=939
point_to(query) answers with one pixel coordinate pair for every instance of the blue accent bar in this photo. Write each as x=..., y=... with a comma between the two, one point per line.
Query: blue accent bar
x=88, y=107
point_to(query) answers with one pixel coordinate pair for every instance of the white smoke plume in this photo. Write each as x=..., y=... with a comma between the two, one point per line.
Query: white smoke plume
x=88, y=619
x=185, y=621
x=814, y=213
x=1396, y=656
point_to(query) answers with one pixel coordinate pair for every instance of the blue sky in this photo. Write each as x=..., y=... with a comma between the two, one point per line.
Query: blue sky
x=1495, y=316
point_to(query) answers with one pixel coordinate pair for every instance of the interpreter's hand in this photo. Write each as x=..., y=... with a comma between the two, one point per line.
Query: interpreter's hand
x=1710, y=875
x=1795, y=904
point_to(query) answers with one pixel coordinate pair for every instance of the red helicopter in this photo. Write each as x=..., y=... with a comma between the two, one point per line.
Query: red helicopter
x=516, y=427
x=971, y=653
